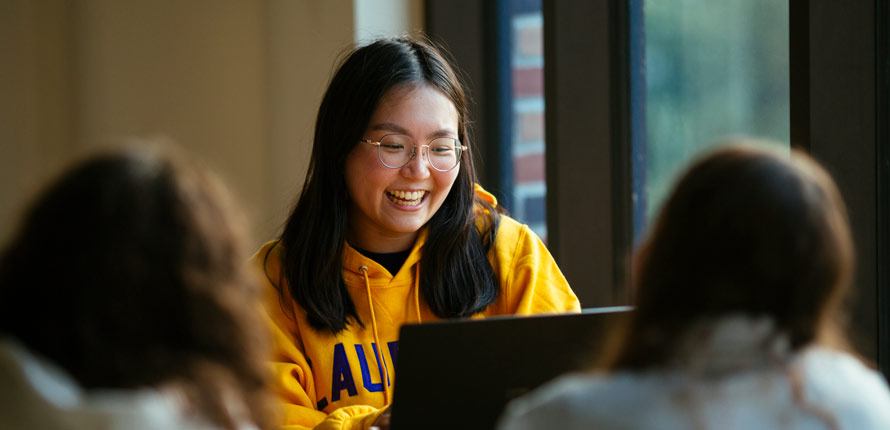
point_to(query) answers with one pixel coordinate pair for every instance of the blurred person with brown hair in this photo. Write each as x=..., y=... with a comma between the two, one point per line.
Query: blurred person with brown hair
x=125, y=302
x=739, y=288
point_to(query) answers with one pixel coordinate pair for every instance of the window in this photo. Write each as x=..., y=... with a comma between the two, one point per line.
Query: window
x=711, y=69
x=498, y=48
x=527, y=184
x=607, y=118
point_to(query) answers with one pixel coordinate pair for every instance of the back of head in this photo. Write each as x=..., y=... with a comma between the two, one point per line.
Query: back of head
x=747, y=231
x=128, y=271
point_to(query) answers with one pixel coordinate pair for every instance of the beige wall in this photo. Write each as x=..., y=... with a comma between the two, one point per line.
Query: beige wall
x=36, y=115
x=305, y=39
x=235, y=82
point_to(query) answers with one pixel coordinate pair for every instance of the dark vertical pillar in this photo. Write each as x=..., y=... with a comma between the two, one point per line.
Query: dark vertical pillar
x=834, y=112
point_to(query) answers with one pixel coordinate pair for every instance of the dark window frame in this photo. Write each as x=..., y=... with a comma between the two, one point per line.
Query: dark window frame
x=839, y=113
x=587, y=89
x=883, y=189
x=475, y=36
x=587, y=120
x=882, y=165
x=587, y=161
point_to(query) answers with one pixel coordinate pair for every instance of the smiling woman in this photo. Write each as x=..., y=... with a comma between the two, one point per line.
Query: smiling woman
x=388, y=206
x=390, y=228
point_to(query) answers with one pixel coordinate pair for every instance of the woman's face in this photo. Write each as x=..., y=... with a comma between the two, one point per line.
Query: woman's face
x=387, y=207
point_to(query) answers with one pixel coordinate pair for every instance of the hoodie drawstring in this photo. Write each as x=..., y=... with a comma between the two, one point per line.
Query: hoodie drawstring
x=416, y=289
x=380, y=364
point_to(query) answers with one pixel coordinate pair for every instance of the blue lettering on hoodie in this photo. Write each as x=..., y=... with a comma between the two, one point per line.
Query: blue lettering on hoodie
x=342, y=375
x=366, y=372
x=393, y=350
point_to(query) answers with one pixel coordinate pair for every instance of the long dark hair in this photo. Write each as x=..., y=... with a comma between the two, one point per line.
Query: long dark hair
x=456, y=278
x=746, y=231
x=128, y=272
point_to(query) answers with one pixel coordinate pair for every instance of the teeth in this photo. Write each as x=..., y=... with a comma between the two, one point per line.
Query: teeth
x=407, y=196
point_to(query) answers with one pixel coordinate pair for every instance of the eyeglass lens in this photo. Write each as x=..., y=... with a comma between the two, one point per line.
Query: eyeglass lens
x=395, y=151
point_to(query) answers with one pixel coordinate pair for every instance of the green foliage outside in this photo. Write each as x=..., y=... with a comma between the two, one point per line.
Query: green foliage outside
x=713, y=68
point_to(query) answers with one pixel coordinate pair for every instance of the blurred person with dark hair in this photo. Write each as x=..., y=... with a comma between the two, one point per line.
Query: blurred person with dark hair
x=738, y=289
x=125, y=302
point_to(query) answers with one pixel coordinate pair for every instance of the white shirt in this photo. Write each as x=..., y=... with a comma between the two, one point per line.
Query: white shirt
x=35, y=394
x=730, y=381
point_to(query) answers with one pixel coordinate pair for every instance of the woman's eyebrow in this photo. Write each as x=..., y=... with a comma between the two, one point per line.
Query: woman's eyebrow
x=443, y=132
x=388, y=126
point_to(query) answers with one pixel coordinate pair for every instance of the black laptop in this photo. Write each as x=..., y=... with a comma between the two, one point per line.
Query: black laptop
x=460, y=374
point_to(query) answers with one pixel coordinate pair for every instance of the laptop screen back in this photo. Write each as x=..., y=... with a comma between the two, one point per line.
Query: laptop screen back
x=461, y=374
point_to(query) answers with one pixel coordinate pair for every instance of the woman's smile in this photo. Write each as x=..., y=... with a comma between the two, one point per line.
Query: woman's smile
x=406, y=199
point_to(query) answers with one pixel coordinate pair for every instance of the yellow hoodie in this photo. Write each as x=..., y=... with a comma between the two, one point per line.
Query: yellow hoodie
x=329, y=381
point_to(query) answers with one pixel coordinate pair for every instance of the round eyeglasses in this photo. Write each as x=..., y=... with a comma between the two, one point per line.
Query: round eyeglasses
x=397, y=150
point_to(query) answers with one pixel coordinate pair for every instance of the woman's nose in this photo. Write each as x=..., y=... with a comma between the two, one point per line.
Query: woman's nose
x=418, y=167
